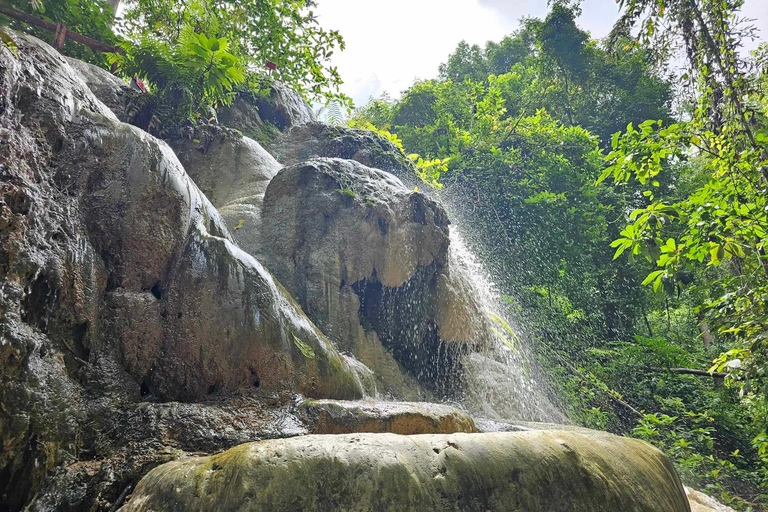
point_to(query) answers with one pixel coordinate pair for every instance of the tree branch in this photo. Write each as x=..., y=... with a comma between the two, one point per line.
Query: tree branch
x=692, y=371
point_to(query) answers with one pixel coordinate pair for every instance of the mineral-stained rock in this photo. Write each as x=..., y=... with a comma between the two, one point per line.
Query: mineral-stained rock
x=345, y=417
x=314, y=139
x=352, y=242
x=511, y=471
x=118, y=279
x=233, y=171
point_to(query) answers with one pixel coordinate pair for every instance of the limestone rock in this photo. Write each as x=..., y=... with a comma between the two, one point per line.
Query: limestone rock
x=366, y=218
x=124, y=101
x=119, y=279
x=348, y=242
x=233, y=171
x=262, y=116
x=345, y=417
x=314, y=139
x=510, y=471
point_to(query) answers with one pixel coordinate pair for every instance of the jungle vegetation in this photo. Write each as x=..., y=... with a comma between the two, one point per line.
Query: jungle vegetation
x=621, y=202
x=195, y=56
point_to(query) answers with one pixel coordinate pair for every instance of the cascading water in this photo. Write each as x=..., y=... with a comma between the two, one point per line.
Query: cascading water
x=501, y=377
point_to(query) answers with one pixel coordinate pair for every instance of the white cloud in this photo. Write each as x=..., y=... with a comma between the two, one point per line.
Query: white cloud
x=400, y=40
x=389, y=44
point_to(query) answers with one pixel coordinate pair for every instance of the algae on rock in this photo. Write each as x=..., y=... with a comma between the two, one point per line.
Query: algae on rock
x=531, y=471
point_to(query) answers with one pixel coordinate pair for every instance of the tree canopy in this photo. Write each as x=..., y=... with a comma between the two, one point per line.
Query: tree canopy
x=623, y=215
x=202, y=51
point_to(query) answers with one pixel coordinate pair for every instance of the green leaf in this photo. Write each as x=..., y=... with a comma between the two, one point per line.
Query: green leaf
x=653, y=275
x=9, y=43
x=305, y=349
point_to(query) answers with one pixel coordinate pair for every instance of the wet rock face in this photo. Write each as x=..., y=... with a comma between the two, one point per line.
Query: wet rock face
x=118, y=280
x=124, y=101
x=354, y=247
x=262, y=117
x=313, y=140
x=511, y=471
x=405, y=418
x=233, y=171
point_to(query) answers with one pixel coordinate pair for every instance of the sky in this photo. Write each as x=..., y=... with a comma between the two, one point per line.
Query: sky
x=392, y=43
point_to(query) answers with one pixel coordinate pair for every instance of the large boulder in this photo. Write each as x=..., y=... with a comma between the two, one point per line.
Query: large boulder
x=123, y=100
x=532, y=471
x=354, y=246
x=262, y=116
x=233, y=171
x=119, y=280
x=315, y=139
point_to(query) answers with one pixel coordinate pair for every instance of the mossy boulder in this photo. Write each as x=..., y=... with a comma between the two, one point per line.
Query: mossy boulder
x=535, y=471
x=314, y=139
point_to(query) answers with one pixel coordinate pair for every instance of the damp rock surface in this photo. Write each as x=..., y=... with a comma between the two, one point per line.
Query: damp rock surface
x=123, y=100
x=233, y=171
x=515, y=471
x=314, y=139
x=120, y=282
x=344, y=417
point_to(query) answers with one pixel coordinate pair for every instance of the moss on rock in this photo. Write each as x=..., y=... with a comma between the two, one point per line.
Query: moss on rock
x=533, y=471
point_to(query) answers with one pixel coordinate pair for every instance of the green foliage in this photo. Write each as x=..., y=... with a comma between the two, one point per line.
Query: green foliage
x=284, y=32
x=429, y=171
x=304, y=348
x=717, y=227
x=346, y=192
x=92, y=18
x=189, y=78
x=9, y=43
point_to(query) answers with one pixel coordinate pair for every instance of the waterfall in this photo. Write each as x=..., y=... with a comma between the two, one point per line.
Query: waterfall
x=501, y=376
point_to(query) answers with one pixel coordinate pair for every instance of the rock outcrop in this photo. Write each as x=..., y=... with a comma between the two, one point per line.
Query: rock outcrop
x=263, y=116
x=120, y=281
x=314, y=139
x=515, y=471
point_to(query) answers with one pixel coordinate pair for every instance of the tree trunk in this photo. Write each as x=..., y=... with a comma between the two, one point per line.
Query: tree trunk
x=706, y=334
